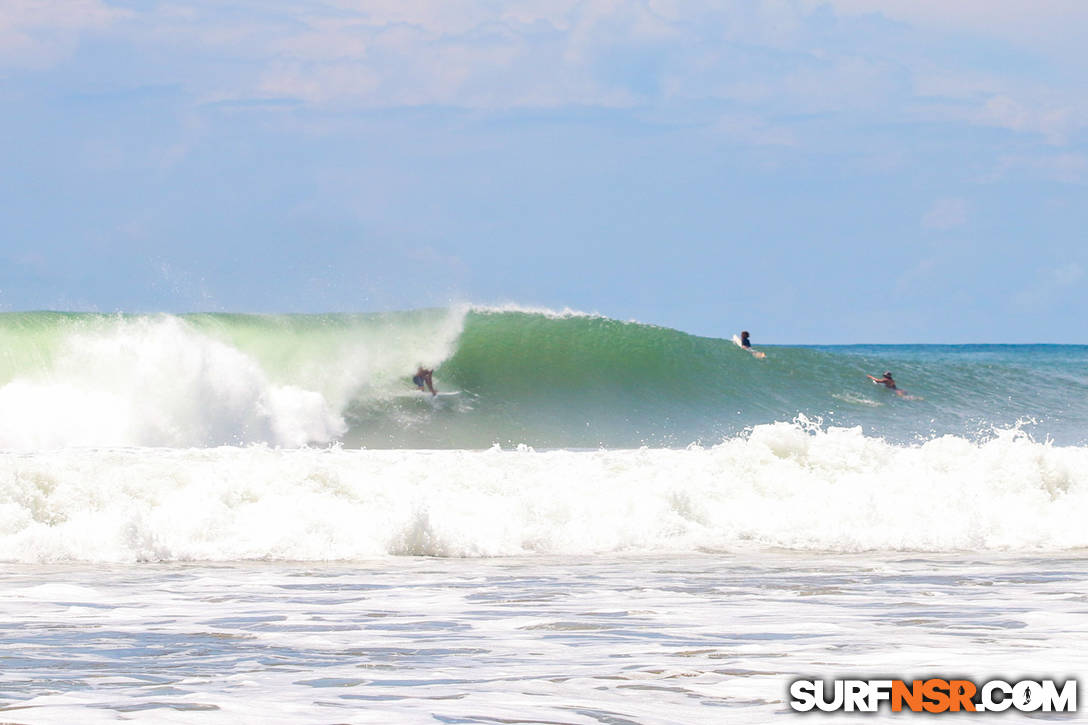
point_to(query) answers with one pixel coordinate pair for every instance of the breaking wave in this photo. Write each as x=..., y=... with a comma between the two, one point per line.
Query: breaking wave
x=782, y=485
x=543, y=378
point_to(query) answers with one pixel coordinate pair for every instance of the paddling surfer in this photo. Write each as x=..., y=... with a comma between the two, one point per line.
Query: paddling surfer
x=888, y=382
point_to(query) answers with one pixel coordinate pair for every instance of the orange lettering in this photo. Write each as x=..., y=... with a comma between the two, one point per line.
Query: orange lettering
x=936, y=691
x=961, y=692
x=911, y=695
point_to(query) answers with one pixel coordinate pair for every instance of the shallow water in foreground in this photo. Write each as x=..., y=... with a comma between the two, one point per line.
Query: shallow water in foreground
x=703, y=637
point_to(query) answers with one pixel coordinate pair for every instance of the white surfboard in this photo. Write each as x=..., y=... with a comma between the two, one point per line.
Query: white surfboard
x=427, y=394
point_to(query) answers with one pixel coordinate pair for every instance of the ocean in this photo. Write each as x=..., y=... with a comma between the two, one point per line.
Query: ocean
x=255, y=518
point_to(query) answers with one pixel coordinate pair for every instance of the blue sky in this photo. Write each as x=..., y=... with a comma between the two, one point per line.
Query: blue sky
x=815, y=171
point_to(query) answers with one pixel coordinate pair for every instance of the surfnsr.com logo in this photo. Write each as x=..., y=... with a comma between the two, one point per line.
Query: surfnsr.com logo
x=934, y=695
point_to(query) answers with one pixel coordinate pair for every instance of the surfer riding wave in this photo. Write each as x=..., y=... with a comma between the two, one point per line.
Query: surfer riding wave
x=423, y=379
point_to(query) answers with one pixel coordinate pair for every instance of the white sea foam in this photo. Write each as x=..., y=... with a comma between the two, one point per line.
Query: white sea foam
x=370, y=359
x=165, y=381
x=566, y=313
x=649, y=639
x=550, y=313
x=856, y=399
x=783, y=485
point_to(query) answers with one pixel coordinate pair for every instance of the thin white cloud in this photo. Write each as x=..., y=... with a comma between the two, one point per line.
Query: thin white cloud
x=36, y=34
x=1024, y=105
x=755, y=131
x=767, y=60
x=1070, y=168
x=1050, y=26
x=1005, y=112
x=945, y=214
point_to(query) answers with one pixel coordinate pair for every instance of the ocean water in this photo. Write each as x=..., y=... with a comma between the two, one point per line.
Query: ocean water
x=213, y=518
x=539, y=378
x=712, y=637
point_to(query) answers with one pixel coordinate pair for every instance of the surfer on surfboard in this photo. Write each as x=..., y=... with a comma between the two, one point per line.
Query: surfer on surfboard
x=888, y=382
x=744, y=342
x=423, y=379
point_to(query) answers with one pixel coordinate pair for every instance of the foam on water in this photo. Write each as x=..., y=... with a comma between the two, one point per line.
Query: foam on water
x=208, y=380
x=783, y=485
x=157, y=382
x=667, y=639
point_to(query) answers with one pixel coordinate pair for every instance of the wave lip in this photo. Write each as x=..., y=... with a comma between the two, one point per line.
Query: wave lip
x=784, y=485
x=546, y=312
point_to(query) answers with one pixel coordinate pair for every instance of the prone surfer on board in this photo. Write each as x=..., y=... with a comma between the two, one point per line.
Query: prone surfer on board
x=423, y=378
x=888, y=382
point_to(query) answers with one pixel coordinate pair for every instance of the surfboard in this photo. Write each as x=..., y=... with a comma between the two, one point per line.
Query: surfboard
x=427, y=394
x=755, y=353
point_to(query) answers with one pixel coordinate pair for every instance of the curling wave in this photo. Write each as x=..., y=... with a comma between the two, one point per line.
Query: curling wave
x=543, y=378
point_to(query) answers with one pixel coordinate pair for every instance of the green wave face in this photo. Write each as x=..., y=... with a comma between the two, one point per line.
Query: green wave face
x=587, y=381
x=545, y=380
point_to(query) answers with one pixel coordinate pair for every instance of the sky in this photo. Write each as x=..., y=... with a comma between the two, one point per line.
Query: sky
x=815, y=171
